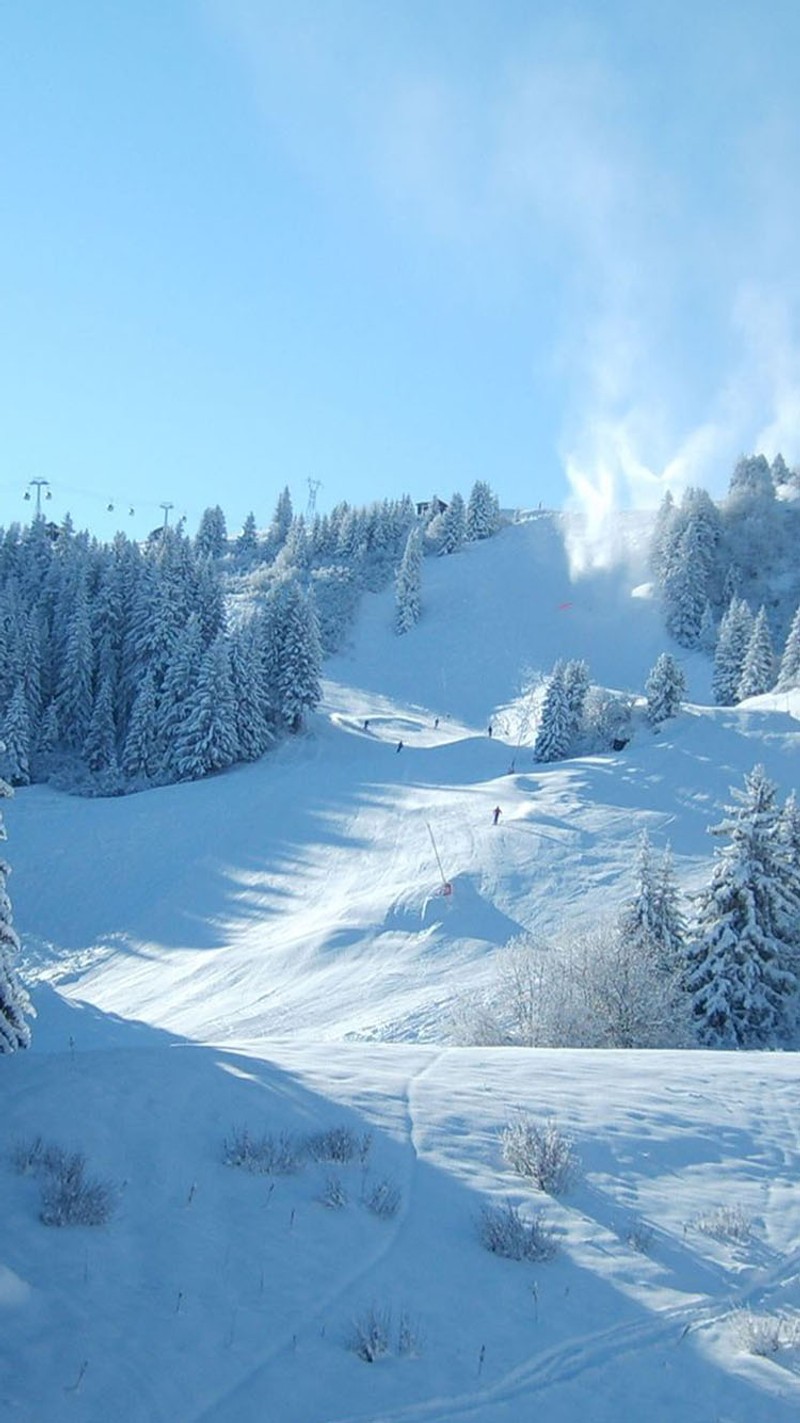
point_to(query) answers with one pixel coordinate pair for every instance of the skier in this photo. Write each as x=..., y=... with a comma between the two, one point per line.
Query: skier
x=399, y=746
x=496, y=813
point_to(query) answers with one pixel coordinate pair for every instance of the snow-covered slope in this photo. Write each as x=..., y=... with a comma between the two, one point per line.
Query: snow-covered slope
x=217, y=955
x=303, y=895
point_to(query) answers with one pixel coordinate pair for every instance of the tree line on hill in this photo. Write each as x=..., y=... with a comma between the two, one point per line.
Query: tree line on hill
x=128, y=665
x=729, y=577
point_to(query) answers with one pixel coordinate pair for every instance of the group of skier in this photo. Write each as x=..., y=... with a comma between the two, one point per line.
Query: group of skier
x=497, y=812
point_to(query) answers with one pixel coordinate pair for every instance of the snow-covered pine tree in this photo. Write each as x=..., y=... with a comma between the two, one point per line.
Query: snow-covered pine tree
x=789, y=674
x=212, y=534
x=639, y=915
x=735, y=632
x=576, y=688
x=707, y=636
x=100, y=746
x=75, y=685
x=15, y=1005
x=281, y=521
x=206, y=740
x=554, y=733
x=686, y=587
x=483, y=514
x=651, y=921
x=669, y=927
x=140, y=752
x=16, y=737
x=758, y=670
x=249, y=696
x=454, y=525
x=288, y=635
x=660, y=543
x=664, y=689
x=742, y=965
x=789, y=839
x=247, y=542
x=180, y=680
x=408, y=584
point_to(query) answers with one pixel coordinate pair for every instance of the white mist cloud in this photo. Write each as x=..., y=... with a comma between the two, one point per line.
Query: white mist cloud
x=666, y=221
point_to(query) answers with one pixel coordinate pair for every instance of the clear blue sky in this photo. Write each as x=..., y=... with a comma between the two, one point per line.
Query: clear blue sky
x=393, y=246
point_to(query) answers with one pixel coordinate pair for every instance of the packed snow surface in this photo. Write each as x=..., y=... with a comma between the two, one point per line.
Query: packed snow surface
x=273, y=949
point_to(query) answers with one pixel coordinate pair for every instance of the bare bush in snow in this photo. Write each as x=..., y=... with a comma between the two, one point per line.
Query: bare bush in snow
x=602, y=989
x=727, y=1223
x=271, y=1154
x=383, y=1198
x=338, y=1144
x=765, y=1334
x=542, y=1154
x=370, y=1334
x=503, y=1231
x=70, y=1197
x=334, y=1194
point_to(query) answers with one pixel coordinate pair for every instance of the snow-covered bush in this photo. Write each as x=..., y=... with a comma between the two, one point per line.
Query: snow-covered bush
x=765, y=1334
x=503, y=1231
x=383, y=1198
x=271, y=1154
x=726, y=1223
x=370, y=1334
x=638, y=1234
x=542, y=1154
x=69, y=1196
x=337, y=1143
x=334, y=1193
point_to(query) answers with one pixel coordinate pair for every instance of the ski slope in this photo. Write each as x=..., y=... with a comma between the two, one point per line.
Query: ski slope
x=270, y=948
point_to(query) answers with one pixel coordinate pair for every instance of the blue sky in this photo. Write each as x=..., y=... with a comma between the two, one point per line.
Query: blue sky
x=393, y=247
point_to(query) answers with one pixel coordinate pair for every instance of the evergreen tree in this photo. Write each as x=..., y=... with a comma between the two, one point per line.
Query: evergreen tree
x=669, y=928
x=212, y=534
x=75, y=686
x=281, y=521
x=454, y=525
x=140, y=752
x=15, y=1005
x=651, y=920
x=741, y=967
x=16, y=734
x=554, y=733
x=735, y=632
x=408, y=585
x=686, y=587
x=660, y=544
x=758, y=670
x=180, y=680
x=664, y=688
x=789, y=675
x=483, y=514
x=100, y=746
x=289, y=638
x=48, y=736
x=206, y=740
x=249, y=697
x=247, y=542
x=707, y=636
x=576, y=688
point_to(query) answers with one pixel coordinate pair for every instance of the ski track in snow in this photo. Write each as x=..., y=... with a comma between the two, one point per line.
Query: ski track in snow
x=241, y=1393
